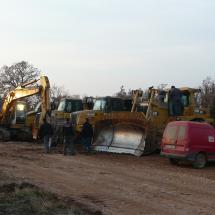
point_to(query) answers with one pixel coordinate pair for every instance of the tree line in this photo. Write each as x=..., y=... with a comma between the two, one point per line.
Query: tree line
x=22, y=72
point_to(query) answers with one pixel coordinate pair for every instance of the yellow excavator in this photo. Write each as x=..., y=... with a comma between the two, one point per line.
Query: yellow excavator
x=14, y=123
x=139, y=130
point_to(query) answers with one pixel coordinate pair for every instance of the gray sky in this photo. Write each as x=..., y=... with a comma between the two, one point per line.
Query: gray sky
x=95, y=46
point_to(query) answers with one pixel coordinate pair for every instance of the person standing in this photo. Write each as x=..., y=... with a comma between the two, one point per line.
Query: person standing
x=68, y=138
x=45, y=133
x=87, y=135
x=175, y=98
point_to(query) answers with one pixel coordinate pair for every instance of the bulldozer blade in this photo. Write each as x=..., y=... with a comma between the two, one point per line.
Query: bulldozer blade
x=123, y=137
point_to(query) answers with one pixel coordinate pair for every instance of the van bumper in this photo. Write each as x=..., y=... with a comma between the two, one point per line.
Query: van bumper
x=188, y=157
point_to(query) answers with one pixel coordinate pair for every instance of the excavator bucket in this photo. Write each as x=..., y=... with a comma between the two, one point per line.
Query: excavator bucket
x=120, y=132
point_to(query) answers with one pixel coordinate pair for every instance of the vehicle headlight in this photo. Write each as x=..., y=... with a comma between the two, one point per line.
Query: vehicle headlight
x=20, y=107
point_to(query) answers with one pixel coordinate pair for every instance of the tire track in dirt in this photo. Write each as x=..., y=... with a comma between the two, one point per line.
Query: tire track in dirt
x=115, y=184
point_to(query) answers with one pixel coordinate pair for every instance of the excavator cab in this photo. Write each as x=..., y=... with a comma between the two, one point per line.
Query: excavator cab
x=20, y=113
x=16, y=115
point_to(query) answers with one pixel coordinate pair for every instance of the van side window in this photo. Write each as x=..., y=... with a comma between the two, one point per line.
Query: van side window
x=181, y=132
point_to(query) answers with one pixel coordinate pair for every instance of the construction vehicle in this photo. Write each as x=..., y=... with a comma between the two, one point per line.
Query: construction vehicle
x=101, y=105
x=139, y=130
x=112, y=110
x=42, y=109
x=13, y=115
x=58, y=117
x=88, y=102
x=66, y=107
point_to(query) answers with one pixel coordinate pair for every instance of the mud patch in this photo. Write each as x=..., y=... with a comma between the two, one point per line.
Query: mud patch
x=24, y=157
x=92, y=199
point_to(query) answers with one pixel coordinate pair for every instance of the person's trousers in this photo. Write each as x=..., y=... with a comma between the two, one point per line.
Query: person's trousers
x=46, y=143
x=68, y=145
x=86, y=142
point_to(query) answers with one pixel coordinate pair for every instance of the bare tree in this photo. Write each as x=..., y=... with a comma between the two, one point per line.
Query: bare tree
x=207, y=92
x=58, y=92
x=208, y=95
x=16, y=74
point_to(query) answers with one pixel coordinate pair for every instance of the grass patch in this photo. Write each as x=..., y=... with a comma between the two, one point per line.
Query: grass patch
x=27, y=199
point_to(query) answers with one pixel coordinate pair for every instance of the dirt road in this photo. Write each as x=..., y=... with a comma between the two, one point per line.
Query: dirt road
x=114, y=184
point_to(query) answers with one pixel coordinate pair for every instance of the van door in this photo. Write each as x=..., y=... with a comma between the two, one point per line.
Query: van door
x=182, y=140
x=210, y=138
x=170, y=137
x=175, y=138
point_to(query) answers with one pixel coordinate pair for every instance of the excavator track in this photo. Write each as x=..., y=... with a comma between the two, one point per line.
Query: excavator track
x=4, y=134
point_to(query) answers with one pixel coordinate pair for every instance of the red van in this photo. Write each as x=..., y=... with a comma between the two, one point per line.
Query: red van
x=191, y=141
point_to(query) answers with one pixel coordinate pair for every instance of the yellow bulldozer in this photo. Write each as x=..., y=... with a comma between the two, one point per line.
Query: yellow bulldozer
x=136, y=128
x=14, y=123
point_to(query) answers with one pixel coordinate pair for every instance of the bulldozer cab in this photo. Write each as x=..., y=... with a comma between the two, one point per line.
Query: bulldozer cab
x=112, y=104
x=88, y=103
x=187, y=101
x=160, y=111
x=70, y=105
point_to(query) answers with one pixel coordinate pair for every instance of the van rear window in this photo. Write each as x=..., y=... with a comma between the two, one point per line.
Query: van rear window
x=181, y=132
x=171, y=134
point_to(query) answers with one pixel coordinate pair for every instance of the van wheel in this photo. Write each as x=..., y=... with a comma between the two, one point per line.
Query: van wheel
x=200, y=161
x=173, y=161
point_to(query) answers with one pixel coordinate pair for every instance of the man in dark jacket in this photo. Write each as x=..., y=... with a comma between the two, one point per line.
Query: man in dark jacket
x=87, y=135
x=45, y=133
x=175, y=99
x=68, y=138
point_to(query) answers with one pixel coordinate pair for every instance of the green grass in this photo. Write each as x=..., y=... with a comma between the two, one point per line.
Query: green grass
x=26, y=199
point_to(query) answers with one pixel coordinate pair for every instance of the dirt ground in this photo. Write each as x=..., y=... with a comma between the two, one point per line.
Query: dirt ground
x=114, y=184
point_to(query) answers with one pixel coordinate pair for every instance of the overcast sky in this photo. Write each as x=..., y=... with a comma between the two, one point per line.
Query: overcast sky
x=95, y=46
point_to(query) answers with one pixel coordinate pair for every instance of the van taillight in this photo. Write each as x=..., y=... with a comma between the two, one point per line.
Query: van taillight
x=186, y=148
